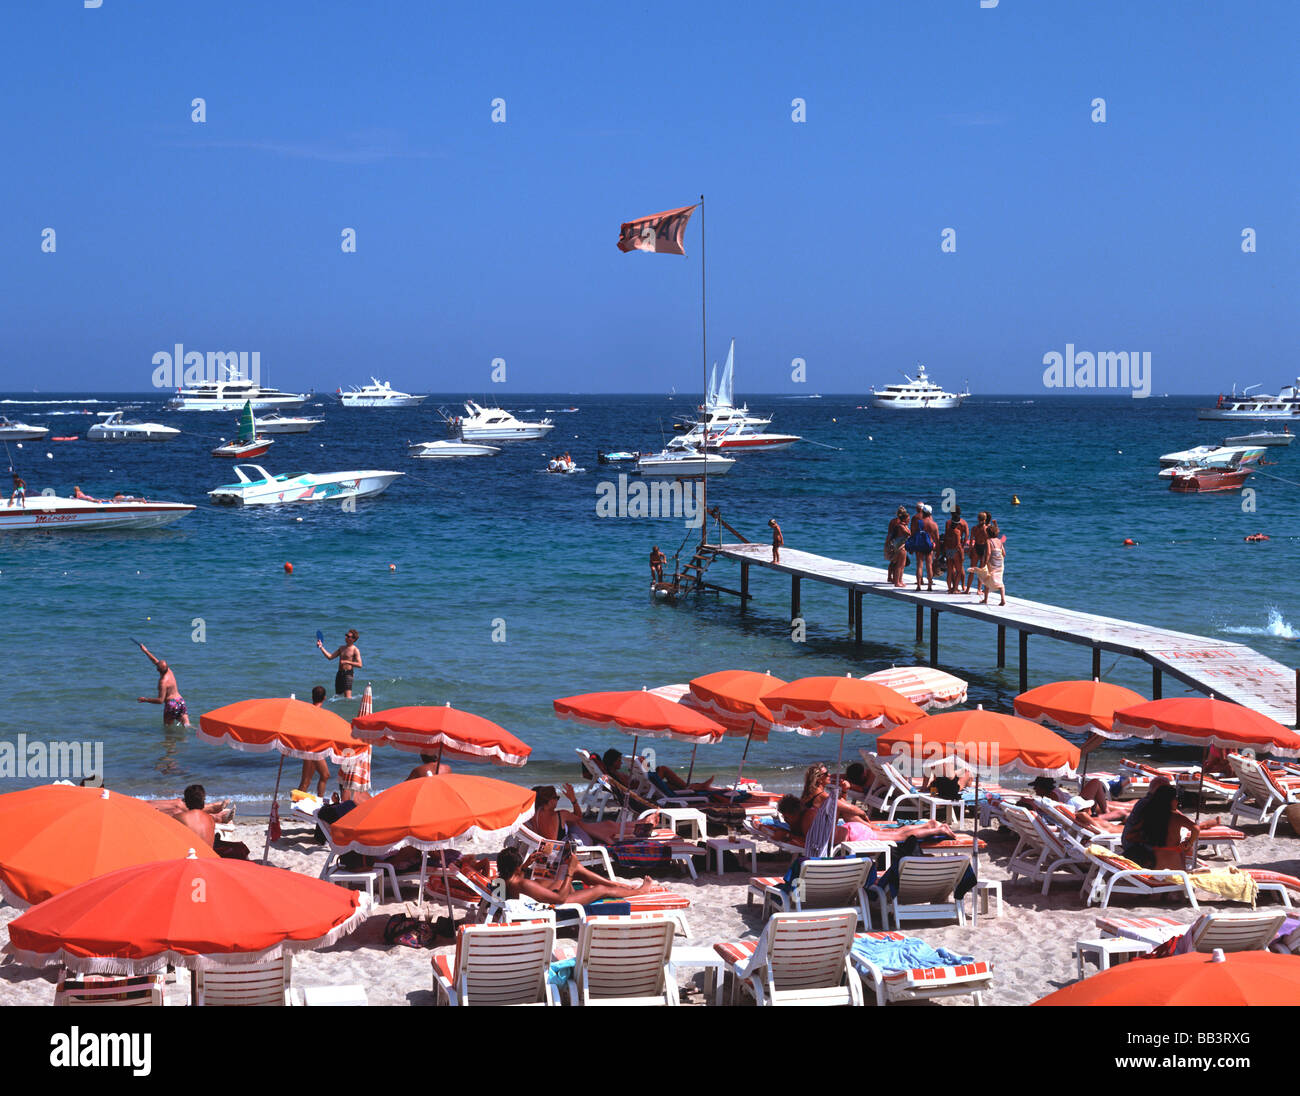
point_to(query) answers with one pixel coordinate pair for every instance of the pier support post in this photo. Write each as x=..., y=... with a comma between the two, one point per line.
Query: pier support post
x=857, y=617
x=934, y=637
x=1024, y=661
x=920, y=623
x=744, y=584
x=794, y=597
x=1155, y=683
x=1002, y=646
x=852, y=607
x=1096, y=664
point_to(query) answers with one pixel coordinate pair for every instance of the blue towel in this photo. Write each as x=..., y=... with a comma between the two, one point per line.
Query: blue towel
x=560, y=973
x=907, y=954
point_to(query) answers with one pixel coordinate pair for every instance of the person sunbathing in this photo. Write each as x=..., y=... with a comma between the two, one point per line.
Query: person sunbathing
x=948, y=784
x=550, y=822
x=512, y=869
x=677, y=784
x=797, y=818
x=1153, y=833
x=222, y=810
x=1102, y=809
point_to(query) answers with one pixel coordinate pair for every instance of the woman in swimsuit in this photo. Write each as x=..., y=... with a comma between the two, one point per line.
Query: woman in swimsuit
x=895, y=542
x=511, y=867
x=854, y=823
x=997, y=555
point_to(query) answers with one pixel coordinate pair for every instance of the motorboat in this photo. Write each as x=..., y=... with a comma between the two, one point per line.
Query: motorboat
x=20, y=431
x=1285, y=405
x=481, y=423
x=1263, y=437
x=260, y=488
x=683, y=464
x=286, y=424
x=722, y=425
x=617, y=457
x=1210, y=456
x=920, y=394
x=231, y=394
x=248, y=443
x=563, y=466
x=53, y=512
x=446, y=450
x=378, y=394
x=117, y=427
x=736, y=437
x=1191, y=479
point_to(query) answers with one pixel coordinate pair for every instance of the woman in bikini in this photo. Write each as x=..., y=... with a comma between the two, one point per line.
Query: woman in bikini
x=854, y=823
x=895, y=546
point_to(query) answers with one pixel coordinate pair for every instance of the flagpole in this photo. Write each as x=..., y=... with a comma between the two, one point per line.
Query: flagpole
x=704, y=379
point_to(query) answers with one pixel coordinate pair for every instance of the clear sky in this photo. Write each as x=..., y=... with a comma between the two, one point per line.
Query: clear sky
x=479, y=240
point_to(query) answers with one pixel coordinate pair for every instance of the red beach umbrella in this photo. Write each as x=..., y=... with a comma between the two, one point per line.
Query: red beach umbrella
x=443, y=730
x=1077, y=705
x=140, y=919
x=1237, y=978
x=735, y=699
x=987, y=742
x=1205, y=721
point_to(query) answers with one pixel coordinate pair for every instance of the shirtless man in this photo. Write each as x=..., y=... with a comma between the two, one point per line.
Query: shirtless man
x=777, y=540
x=925, y=560
x=429, y=766
x=318, y=766
x=194, y=816
x=511, y=868
x=657, y=561
x=979, y=550
x=169, y=696
x=349, y=660
x=955, y=534
x=20, y=491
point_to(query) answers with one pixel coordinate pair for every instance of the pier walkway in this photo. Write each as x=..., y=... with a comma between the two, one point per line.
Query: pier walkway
x=1231, y=671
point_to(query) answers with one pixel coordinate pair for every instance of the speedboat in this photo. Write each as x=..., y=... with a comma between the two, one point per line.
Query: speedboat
x=683, y=464
x=1209, y=456
x=736, y=437
x=286, y=424
x=248, y=443
x=53, y=512
x=920, y=394
x=116, y=427
x=722, y=425
x=1285, y=405
x=1263, y=437
x=20, y=431
x=231, y=394
x=1192, y=479
x=264, y=489
x=445, y=450
x=617, y=457
x=378, y=394
x=493, y=424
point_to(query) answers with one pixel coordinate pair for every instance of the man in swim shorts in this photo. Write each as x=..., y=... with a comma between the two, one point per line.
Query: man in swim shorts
x=777, y=540
x=657, y=561
x=20, y=491
x=169, y=695
x=349, y=660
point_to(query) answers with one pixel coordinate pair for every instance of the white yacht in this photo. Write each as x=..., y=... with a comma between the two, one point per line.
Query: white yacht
x=446, y=449
x=378, y=394
x=20, y=431
x=683, y=464
x=729, y=428
x=920, y=394
x=493, y=424
x=116, y=427
x=1209, y=457
x=286, y=424
x=231, y=394
x=1285, y=405
x=50, y=512
x=264, y=489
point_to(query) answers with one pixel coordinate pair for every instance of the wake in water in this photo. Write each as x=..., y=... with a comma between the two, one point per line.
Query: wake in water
x=1276, y=627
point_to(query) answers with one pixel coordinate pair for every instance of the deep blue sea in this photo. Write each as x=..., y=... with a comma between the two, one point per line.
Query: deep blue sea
x=482, y=541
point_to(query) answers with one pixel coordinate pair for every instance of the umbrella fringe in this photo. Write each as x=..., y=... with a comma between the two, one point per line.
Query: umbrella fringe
x=331, y=754
x=431, y=846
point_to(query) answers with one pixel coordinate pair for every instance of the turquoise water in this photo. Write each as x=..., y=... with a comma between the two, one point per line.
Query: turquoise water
x=478, y=542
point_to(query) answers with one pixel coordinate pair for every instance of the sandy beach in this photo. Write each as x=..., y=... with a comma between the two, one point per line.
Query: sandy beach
x=1031, y=945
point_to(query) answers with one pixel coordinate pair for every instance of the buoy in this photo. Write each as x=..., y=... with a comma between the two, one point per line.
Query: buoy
x=1015, y=500
x=49, y=456
x=1257, y=536
x=392, y=566
x=1129, y=542
x=288, y=568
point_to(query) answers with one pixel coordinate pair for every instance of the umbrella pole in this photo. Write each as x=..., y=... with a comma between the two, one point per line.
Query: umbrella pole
x=627, y=795
x=1200, y=791
x=975, y=854
x=446, y=882
x=424, y=867
x=748, y=739
x=691, y=771
x=275, y=798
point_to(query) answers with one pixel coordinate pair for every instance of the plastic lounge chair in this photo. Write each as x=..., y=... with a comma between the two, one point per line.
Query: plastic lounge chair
x=108, y=989
x=624, y=961
x=497, y=965
x=1152, y=931
x=1113, y=874
x=800, y=959
x=585, y=853
x=1226, y=931
x=903, y=794
x=265, y=983
x=925, y=890
x=1040, y=853
x=921, y=983
x=594, y=798
x=820, y=884
x=1261, y=799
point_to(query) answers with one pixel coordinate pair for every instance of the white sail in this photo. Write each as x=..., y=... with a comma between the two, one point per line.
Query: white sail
x=711, y=396
x=725, y=395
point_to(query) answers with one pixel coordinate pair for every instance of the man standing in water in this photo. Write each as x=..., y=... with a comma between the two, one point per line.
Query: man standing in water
x=349, y=660
x=657, y=561
x=169, y=695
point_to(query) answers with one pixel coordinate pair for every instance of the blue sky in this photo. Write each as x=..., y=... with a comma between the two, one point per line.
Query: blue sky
x=478, y=240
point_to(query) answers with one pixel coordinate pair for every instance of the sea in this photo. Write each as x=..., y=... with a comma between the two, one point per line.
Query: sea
x=492, y=585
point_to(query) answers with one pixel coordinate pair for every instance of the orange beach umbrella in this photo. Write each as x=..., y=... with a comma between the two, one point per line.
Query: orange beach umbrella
x=1077, y=705
x=735, y=699
x=814, y=705
x=1205, y=721
x=640, y=713
x=985, y=742
x=1238, y=978
x=140, y=919
x=442, y=730
x=56, y=836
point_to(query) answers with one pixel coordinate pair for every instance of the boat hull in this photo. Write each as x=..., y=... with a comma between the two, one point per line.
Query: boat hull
x=496, y=433
x=936, y=403
x=46, y=513
x=299, y=489
x=236, y=451
x=451, y=450
x=1215, y=414
x=270, y=426
x=1261, y=439
x=1208, y=480
x=753, y=443
x=377, y=401
x=661, y=468
x=144, y=432
x=227, y=404
x=34, y=433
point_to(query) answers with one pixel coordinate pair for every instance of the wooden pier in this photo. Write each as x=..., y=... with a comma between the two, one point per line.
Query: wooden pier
x=1231, y=671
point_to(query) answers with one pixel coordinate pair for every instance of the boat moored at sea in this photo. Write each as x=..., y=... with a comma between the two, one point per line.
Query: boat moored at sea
x=1211, y=456
x=116, y=427
x=378, y=394
x=683, y=464
x=248, y=443
x=42, y=512
x=447, y=450
x=1284, y=406
x=1190, y=479
x=286, y=424
x=20, y=431
x=263, y=489
x=1263, y=437
x=481, y=423
x=920, y=394
x=231, y=394
x=722, y=426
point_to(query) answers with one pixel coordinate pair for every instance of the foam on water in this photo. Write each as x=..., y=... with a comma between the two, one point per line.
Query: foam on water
x=1276, y=626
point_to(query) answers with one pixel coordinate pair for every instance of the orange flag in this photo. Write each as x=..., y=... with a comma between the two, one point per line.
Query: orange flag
x=661, y=232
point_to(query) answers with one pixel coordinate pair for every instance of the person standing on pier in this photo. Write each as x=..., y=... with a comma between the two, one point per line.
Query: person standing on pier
x=928, y=538
x=895, y=546
x=979, y=546
x=955, y=534
x=997, y=555
x=777, y=540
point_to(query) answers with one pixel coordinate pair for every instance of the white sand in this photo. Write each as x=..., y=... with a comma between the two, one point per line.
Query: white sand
x=1031, y=945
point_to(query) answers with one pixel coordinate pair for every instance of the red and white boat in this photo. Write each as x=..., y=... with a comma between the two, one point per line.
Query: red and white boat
x=52, y=512
x=1201, y=480
x=724, y=427
x=249, y=443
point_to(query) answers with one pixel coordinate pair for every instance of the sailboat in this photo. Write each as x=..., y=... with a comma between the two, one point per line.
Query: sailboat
x=247, y=444
x=730, y=428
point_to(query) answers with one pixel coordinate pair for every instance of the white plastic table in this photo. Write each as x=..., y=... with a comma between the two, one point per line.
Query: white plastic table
x=720, y=845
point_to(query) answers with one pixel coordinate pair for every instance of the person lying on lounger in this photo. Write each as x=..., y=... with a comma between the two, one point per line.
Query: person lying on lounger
x=797, y=818
x=674, y=781
x=512, y=868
